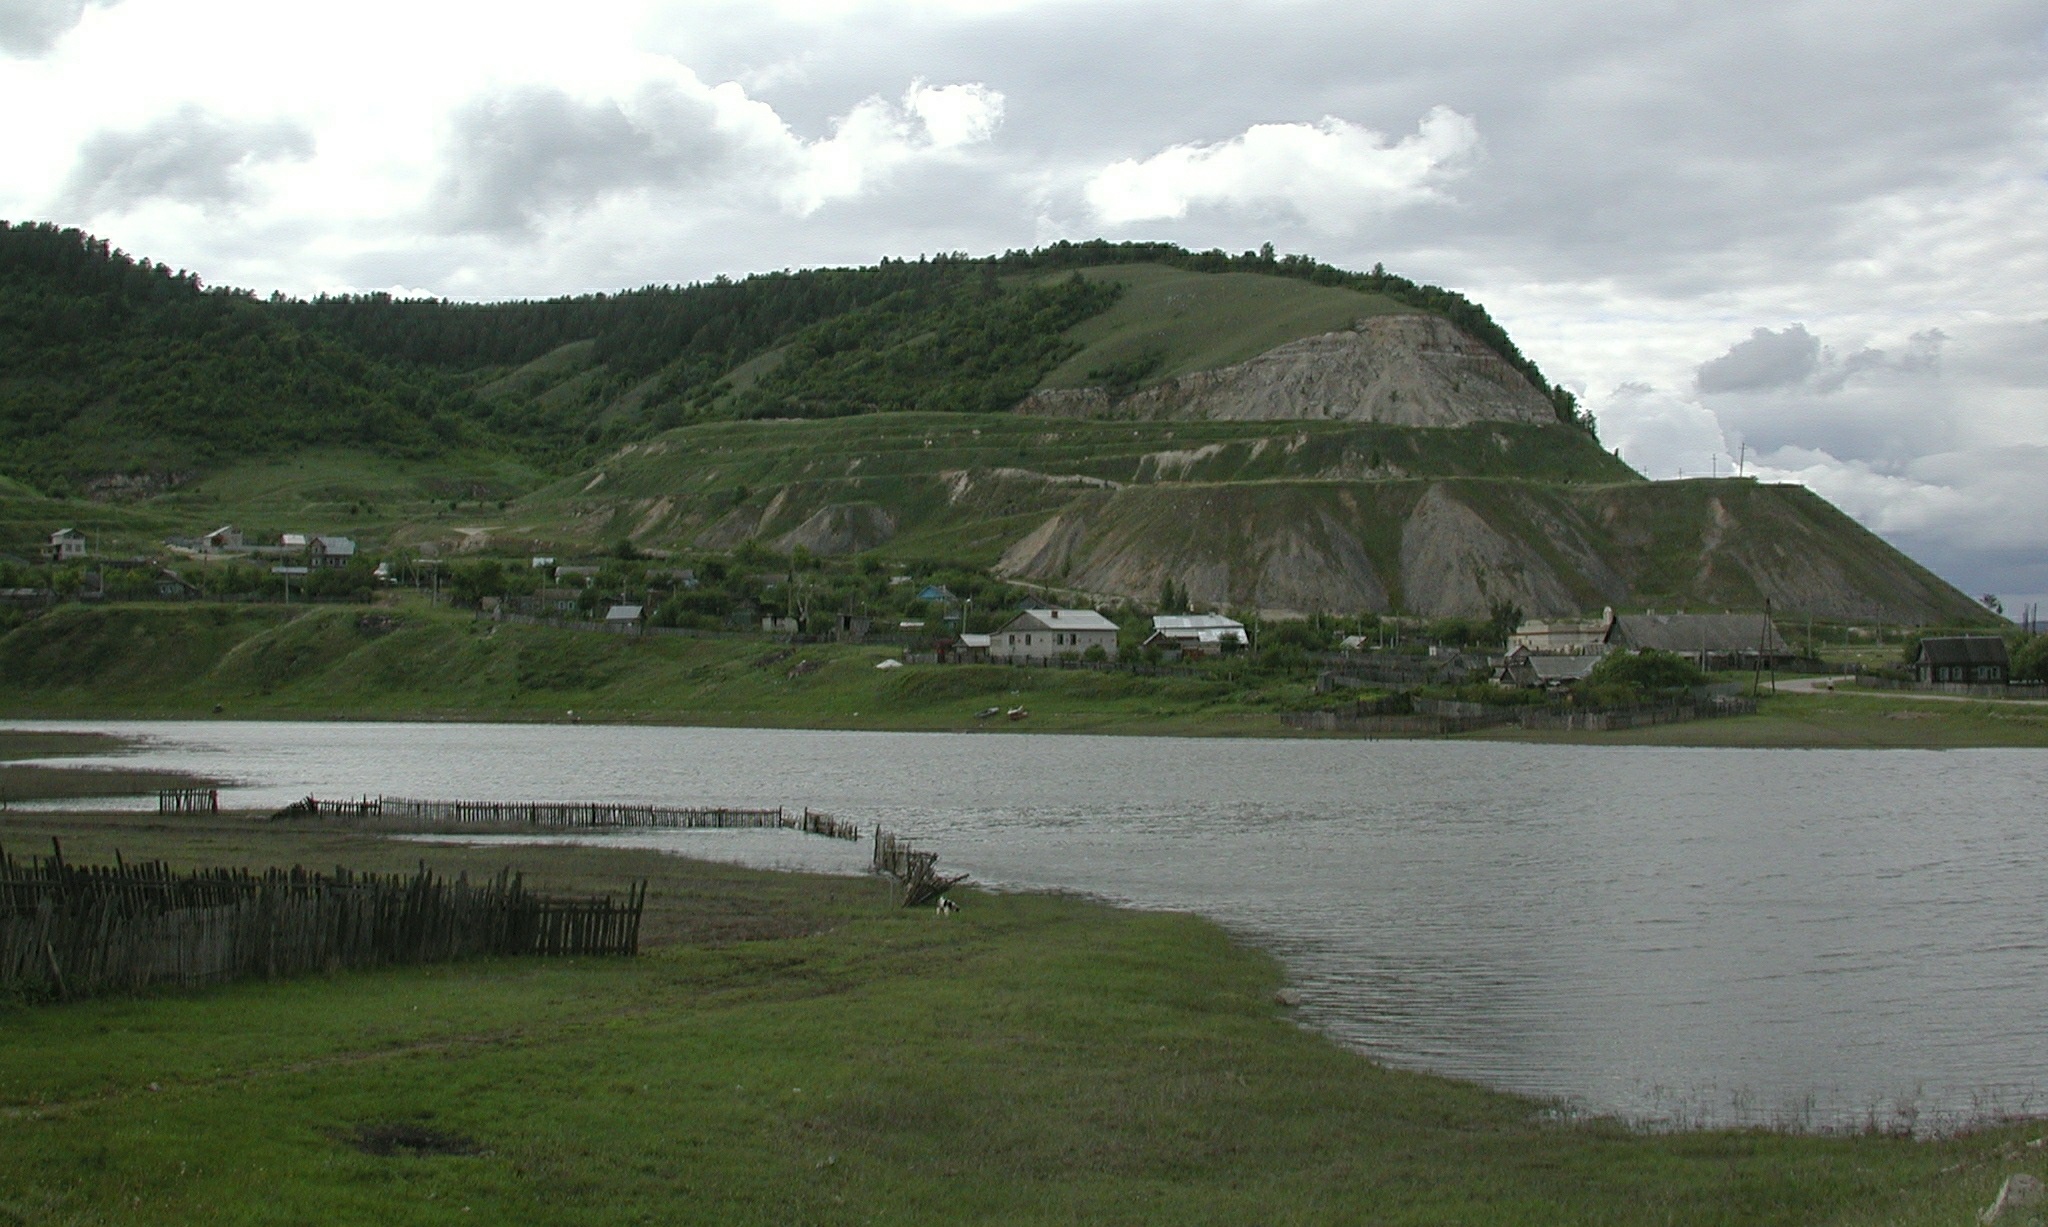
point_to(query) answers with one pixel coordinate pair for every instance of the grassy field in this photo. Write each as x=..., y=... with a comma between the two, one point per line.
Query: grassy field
x=249, y=661
x=157, y=660
x=1852, y=720
x=795, y=1050
x=1200, y=321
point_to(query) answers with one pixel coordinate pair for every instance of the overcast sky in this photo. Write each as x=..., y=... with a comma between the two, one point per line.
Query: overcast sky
x=1809, y=234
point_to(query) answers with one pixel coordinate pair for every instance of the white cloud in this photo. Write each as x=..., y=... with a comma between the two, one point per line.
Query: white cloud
x=955, y=115
x=877, y=136
x=32, y=27
x=519, y=156
x=1328, y=173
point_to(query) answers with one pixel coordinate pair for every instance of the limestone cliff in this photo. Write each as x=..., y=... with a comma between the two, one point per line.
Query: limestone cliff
x=1401, y=370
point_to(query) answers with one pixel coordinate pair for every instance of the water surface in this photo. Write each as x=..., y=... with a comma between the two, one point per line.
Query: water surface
x=1684, y=936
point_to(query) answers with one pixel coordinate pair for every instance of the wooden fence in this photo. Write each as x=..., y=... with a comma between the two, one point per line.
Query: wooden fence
x=188, y=800
x=413, y=814
x=917, y=871
x=71, y=931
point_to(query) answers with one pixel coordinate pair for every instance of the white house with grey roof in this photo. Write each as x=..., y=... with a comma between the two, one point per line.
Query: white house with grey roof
x=1197, y=634
x=1047, y=634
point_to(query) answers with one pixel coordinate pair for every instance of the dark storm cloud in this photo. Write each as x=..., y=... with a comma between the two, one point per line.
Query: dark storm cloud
x=524, y=153
x=191, y=156
x=1767, y=360
x=31, y=28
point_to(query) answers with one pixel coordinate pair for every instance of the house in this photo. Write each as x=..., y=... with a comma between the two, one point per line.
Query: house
x=1564, y=636
x=171, y=585
x=1978, y=660
x=1197, y=634
x=542, y=562
x=1048, y=634
x=850, y=628
x=779, y=626
x=623, y=618
x=333, y=552
x=937, y=592
x=1549, y=670
x=1712, y=641
x=558, y=600
x=66, y=544
x=225, y=539
x=291, y=541
x=964, y=649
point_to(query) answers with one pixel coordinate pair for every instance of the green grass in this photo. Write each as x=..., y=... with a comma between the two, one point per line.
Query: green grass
x=1865, y=720
x=156, y=660
x=1201, y=321
x=168, y=660
x=1031, y=1060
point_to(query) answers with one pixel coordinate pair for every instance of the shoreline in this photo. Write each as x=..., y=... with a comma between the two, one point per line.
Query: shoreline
x=802, y=1033
x=1790, y=721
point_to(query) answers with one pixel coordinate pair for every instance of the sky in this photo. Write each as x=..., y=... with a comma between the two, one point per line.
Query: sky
x=1806, y=237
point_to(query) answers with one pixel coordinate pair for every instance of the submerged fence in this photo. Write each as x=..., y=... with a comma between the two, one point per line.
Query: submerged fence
x=413, y=814
x=69, y=931
x=1551, y=719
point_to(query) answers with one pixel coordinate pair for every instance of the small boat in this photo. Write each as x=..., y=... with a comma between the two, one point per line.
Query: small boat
x=986, y=712
x=1017, y=713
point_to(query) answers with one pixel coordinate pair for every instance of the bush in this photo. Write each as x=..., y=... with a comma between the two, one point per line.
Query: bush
x=1624, y=677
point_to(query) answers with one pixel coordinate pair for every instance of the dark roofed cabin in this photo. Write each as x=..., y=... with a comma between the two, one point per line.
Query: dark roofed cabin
x=1976, y=660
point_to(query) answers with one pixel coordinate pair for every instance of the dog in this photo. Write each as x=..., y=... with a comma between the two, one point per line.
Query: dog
x=947, y=907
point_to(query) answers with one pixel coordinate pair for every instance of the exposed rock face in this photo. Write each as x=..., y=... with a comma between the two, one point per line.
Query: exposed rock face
x=1454, y=564
x=841, y=528
x=1460, y=547
x=1402, y=370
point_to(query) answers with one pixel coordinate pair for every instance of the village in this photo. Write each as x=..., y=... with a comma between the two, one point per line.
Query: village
x=1387, y=675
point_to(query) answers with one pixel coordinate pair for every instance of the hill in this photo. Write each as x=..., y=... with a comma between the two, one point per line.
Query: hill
x=1098, y=420
x=120, y=375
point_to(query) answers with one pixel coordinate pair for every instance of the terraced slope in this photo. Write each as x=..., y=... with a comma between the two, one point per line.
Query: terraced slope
x=1285, y=517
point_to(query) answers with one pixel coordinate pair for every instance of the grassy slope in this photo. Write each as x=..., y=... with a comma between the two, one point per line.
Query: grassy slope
x=183, y=660
x=1201, y=321
x=1031, y=1060
x=668, y=492
x=165, y=661
x=334, y=490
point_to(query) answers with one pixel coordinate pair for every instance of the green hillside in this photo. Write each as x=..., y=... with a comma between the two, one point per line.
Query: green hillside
x=119, y=374
x=1169, y=321
x=864, y=414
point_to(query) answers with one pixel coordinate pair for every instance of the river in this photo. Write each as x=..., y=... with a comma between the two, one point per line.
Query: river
x=1682, y=937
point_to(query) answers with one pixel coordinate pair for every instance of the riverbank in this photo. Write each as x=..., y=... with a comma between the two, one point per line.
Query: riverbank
x=417, y=662
x=793, y=1048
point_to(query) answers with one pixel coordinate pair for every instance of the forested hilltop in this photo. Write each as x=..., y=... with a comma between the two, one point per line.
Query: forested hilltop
x=116, y=369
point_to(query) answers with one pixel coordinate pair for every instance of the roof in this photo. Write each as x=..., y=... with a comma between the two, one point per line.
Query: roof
x=1060, y=620
x=1689, y=633
x=1963, y=650
x=292, y=540
x=968, y=639
x=66, y=532
x=1562, y=668
x=339, y=546
x=1195, y=622
x=936, y=592
x=622, y=613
